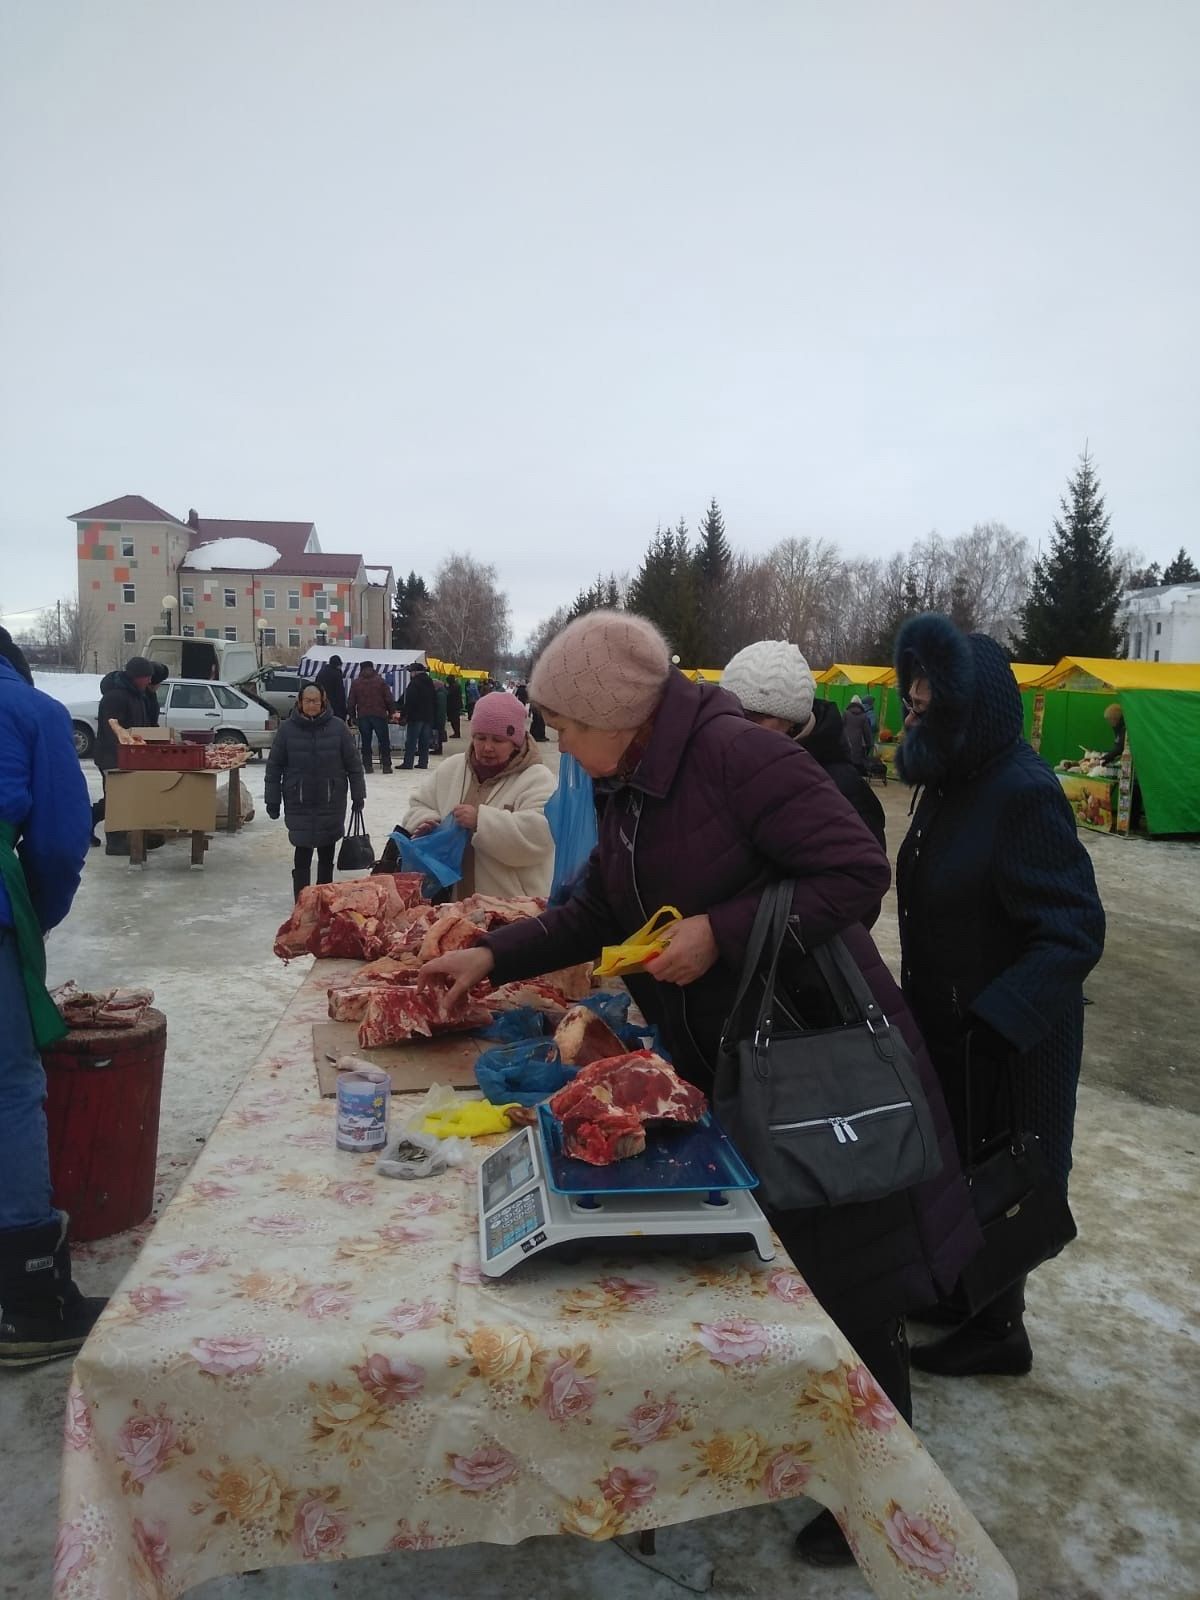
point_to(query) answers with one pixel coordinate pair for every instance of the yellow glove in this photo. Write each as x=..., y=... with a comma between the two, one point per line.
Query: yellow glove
x=471, y=1120
x=639, y=948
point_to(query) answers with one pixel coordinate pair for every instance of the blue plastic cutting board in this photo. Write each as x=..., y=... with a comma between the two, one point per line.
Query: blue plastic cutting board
x=685, y=1160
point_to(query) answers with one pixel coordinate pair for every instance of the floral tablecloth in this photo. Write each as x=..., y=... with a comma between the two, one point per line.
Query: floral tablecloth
x=305, y=1364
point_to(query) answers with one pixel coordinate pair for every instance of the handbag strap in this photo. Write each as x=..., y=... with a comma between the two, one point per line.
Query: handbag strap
x=764, y=919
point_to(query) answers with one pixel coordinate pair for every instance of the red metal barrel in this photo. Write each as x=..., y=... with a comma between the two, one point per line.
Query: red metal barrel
x=103, y=1089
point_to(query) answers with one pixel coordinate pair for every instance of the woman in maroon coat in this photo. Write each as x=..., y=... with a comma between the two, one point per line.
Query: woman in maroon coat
x=701, y=810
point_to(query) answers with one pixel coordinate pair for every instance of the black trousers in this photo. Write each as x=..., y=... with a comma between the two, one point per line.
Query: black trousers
x=455, y=728
x=303, y=862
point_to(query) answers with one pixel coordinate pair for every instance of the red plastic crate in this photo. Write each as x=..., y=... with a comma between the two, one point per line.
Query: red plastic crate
x=160, y=757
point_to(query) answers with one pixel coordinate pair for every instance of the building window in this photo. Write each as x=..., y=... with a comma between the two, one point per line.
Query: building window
x=126, y=545
x=231, y=598
x=129, y=594
x=1137, y=647
x=293, y=599
x=187, y=599
x=321, y=602
x=294, y=638
x=231, y=635
x=268, y=599
x=130, y=631
x=189, y=631
x=1158, y=630
x=1156, y=655
x=268, y=638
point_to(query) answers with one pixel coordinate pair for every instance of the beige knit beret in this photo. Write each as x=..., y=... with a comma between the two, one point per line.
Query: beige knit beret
x=606, y=669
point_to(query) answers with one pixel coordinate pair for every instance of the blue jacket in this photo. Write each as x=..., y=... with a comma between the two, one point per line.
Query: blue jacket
x=44, y=794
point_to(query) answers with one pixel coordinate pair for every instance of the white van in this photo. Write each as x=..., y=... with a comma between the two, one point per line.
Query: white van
x=222, y=659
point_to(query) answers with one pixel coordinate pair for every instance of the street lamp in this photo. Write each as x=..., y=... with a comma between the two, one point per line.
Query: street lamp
x=260, y=628
x=169, y=603
x=322, y=633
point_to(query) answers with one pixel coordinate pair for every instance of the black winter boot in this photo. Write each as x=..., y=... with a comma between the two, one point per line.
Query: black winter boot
x=822, y=1543
x=42, y=1314
x=300, y=880
x=993, y=1343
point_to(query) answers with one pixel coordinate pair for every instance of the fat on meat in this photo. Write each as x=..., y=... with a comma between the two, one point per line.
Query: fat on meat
x=605, y=1109
x=532, y=992
x=355, y=918
x=393, y=1015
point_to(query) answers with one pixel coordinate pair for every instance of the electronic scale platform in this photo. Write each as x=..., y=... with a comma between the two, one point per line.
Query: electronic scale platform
x=688, y=1184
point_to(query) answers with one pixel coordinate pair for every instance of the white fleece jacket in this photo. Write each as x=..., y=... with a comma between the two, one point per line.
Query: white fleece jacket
x=514, y=849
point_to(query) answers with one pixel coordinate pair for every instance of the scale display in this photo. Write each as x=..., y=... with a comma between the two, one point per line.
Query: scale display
x=522, y=1212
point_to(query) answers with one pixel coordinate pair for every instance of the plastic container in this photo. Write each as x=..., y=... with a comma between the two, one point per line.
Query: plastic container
x=103, y=1090
x=159, y=757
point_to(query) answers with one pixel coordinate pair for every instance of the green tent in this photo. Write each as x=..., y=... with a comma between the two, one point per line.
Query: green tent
x=1163, y=727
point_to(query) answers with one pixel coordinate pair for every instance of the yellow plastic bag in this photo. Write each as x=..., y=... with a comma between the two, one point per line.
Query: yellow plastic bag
x=639, y=948
x=468, y=1120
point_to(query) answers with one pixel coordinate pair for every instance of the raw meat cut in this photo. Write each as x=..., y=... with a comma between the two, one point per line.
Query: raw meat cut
x=348, y=999
x=583, y=1037
x=606, y=1107
x=533, y=992
x=393, y=1015
x=354, y=918
x=101, y=1008
x=498, y=911
x=452, y=931
x=575, y=982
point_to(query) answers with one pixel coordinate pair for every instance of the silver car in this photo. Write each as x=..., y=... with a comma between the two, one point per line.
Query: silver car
x=193, y=705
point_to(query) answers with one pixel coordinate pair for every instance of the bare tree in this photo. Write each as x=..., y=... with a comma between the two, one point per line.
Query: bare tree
x=64, y=635
x=989, y=579
x=466, y=619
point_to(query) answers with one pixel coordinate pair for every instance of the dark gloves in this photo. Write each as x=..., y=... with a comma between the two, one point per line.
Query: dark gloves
x=358, y=805
x=273, y=813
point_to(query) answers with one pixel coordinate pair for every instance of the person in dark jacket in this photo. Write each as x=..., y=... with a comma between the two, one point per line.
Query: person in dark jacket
x=775, y=686
x=43, y=845
x=1000, y=923
x=420, y=713
x=454, y=707
x=159, y=673
x=313, y=762
x=372, y=705
x=681, y=762
x=124, y=699
x=441, y=702
x=859, y=739
x=1115, y=718
x=330, y=678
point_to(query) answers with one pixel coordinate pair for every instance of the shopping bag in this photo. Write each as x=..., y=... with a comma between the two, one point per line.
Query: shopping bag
x=640, y=947
x=511, y=1027
x=522, y=1073
x=439, y=855
x=357, y=853
x=571, y=813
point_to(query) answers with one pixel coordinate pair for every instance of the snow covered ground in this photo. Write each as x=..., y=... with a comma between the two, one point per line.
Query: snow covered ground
x=72, y=688
x=1085, y=1473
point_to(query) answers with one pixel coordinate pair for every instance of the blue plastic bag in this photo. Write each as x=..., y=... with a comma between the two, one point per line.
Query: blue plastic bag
x=571, y=813
x=510, y=1027
x=439, y=855
x=522, y=1073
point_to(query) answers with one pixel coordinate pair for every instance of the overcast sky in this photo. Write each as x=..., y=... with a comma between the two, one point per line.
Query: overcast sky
x=525, y=279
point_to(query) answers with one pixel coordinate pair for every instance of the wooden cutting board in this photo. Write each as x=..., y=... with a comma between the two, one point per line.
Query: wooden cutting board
x=412, y=1067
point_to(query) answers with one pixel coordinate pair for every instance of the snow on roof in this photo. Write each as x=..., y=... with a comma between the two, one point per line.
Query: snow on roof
x=72, y=688
x=378, y=575
x=232, y=555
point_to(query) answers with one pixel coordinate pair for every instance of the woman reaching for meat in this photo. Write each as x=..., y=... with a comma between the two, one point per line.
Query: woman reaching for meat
x=702, y=810
x=498, y=791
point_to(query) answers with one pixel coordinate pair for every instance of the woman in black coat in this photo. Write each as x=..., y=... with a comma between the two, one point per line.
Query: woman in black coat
x=1000, y=923
x=313, y=762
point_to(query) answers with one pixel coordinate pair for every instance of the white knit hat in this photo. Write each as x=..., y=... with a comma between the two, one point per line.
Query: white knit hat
x=772, y=678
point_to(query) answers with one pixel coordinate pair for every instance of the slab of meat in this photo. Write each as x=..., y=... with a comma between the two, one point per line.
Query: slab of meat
x=575, y=982
x=498, y=911
x=606, y=1107
x=452, y=931
x=533, y=992
x=354, y=918
x=393, y=1015
x=348, y=999
x=583, y=1037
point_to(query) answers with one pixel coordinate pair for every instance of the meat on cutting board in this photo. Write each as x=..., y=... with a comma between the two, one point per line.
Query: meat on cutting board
x=606, y=1107
x=393, y=1015
x=583, y=1037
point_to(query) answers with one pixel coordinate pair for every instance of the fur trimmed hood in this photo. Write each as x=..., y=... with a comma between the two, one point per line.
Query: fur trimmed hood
x=976, y=710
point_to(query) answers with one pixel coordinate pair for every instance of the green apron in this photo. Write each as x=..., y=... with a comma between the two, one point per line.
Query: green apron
x=48, y=1025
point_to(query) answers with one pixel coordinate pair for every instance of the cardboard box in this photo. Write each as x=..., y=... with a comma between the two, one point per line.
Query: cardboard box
x=181, y=801
x=159, y=735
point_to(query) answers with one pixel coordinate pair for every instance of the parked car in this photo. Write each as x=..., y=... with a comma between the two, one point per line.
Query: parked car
x=278, y=687
x=234, y=715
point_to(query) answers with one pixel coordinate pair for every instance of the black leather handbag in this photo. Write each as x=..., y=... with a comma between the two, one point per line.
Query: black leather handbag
x=1023, y=1213
x=826, y=1116
x=357, y=853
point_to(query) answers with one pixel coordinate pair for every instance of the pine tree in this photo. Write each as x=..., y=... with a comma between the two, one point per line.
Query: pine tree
x=1181, y=570
x=714, y=563
x=714, y=555
x=411, y=596
x=1075, y=592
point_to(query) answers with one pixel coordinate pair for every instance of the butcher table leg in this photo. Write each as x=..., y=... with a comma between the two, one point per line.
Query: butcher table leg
x=137, y=847
x=199, y=846
x=233, y=819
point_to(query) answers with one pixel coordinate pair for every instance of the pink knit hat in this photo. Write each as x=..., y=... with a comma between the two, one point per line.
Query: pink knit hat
x=606, y=669
x=502, y=715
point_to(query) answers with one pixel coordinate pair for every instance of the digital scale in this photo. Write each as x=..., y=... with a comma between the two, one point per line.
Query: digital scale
x=689, y=1185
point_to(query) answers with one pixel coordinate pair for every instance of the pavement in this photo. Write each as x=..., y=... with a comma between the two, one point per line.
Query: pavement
x=1086, y=1473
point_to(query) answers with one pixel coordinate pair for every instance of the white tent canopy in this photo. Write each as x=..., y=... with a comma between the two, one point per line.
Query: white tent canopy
x=393, y=664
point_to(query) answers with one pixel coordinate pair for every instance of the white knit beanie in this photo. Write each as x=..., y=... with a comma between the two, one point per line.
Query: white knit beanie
x=772, y=678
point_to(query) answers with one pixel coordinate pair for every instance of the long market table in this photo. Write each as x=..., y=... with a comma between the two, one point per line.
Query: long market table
x=305, y=1363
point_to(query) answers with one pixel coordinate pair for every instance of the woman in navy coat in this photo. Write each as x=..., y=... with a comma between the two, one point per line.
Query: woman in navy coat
x=1000, y=923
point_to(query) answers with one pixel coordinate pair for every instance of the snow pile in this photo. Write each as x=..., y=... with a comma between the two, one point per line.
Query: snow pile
x=72, y=688
x=232, y=555
x=378, y=576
